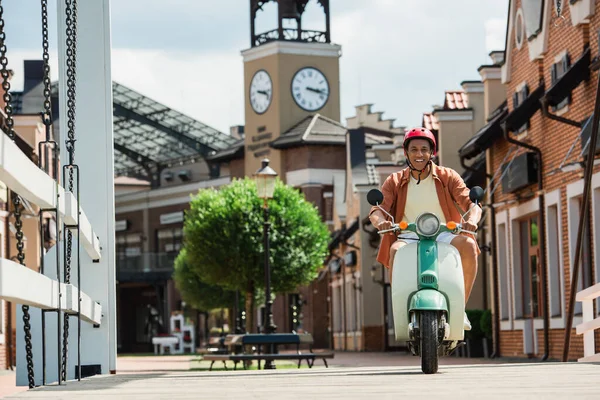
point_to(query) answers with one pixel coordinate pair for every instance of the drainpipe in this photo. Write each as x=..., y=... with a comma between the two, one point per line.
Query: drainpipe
x=495, y=276
x=564, y=120
x=541, y=235
x=495, y=279
x=589, y=169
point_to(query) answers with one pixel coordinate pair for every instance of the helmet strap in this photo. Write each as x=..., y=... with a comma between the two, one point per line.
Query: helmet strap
x=412, y=168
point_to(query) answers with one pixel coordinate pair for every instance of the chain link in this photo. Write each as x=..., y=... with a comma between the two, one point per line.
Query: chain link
x=5, y=76
x=16, y=200
x=47, y=113
x=559, y=17
x=71, y=31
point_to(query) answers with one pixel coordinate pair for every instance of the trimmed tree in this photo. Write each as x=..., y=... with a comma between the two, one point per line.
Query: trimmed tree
x=223, y=233
x=197, y=293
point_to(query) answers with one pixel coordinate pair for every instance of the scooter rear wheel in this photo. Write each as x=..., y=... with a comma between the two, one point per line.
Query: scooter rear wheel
x=429, y=342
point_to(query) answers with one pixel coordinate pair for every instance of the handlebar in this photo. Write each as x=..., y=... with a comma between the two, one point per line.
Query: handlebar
x=396, y=227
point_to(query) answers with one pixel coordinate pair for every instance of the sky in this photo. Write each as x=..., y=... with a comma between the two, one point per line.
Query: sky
x=399, y=55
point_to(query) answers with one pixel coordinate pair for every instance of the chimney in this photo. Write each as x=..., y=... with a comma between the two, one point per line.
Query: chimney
x=33, y=74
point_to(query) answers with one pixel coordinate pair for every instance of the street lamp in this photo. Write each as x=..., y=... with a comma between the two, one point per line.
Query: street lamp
x=265, y=182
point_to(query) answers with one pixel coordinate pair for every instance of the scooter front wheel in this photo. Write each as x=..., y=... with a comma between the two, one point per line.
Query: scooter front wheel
x=429, y=342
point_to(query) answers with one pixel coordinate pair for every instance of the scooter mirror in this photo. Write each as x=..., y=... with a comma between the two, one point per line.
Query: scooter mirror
x=476, y=194
x=375, y=197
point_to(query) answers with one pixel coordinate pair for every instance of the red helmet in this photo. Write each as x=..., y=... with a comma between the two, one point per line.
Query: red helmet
x=420, y=133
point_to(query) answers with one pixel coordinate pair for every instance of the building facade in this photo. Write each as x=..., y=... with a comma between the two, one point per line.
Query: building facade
x=535, y=154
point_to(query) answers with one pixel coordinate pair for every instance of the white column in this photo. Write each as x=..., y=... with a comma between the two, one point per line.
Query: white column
x=94, y=156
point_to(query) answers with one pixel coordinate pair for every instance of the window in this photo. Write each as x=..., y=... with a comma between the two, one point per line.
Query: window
x=336, y=294
x=129, y=245
x=518, y=98
x=2, y=322
x=503, y=272
x=532, y=11
x=554, y=264
x=557, y=70
x=585, y=268
x=519, y=29
x=169, y=240
x=328, y=207
x=527, y=270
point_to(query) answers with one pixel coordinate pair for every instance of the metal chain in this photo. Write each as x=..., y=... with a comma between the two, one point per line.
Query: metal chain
x=15, y=197
x=5, y=75
x=71, y=31
x=47, y=113
x=559, y=17
x=26, y=317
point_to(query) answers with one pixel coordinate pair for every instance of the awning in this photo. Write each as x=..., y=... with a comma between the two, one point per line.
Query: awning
x=351, y=230
x=486, y=136
x=476, y=175
x=524, y=111
x=577, y=73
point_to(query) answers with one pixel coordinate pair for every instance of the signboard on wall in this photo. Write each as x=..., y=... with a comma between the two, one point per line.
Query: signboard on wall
x=171, y=218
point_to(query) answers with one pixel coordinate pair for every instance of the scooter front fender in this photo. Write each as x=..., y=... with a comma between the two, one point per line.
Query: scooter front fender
x=428, y=299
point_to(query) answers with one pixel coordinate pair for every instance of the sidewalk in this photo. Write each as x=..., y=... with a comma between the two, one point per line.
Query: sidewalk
x=128, y=365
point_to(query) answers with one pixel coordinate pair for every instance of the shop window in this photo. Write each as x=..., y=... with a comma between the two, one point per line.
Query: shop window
x=503, y=273
x=554, y=264
x=585, y=269
x=528, y=285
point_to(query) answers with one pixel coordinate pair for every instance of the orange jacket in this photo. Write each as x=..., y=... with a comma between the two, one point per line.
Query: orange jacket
x=451, y=191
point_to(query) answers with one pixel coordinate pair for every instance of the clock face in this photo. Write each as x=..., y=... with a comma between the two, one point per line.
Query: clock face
x=261, y=91
x=310, y=89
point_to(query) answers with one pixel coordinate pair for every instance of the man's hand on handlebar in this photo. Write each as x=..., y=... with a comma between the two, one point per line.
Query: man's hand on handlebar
x=469, y=226
x=386, y=225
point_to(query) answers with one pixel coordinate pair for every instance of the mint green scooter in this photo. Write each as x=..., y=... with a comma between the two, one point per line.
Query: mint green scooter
x=428, y=294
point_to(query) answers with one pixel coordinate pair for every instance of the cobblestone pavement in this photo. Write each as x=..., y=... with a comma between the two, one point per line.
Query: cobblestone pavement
x=350, y=376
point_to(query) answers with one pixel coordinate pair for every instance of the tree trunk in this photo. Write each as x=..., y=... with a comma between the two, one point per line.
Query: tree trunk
x=231, y=320
x=250, y=322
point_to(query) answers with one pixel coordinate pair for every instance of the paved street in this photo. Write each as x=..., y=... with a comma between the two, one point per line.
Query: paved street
x=480, y=381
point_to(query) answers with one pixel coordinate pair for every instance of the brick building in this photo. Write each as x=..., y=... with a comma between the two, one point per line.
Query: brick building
x=535, y=155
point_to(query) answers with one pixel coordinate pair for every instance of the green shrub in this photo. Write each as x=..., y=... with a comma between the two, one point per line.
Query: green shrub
x=486, y=324
x=475, y=318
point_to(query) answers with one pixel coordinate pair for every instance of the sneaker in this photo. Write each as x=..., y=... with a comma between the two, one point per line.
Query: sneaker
x=467, y=323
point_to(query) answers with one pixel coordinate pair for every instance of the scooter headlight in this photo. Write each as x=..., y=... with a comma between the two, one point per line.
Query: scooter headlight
x=428, y=224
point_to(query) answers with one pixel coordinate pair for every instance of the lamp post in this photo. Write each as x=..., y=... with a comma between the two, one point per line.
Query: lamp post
x=265, y=182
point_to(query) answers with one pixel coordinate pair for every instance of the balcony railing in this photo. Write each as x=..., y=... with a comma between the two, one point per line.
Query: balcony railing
x=145, y=267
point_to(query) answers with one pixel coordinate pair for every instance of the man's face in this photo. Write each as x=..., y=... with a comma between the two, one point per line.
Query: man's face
x=419, y=153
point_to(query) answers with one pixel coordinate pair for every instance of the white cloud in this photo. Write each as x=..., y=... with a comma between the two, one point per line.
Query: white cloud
x=207, y=87
x=495, y=33
x=399, y=55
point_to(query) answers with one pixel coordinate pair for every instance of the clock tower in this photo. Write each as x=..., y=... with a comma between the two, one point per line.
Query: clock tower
x=290, y=73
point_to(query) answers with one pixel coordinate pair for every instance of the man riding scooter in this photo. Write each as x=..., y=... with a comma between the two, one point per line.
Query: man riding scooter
x=426, y=187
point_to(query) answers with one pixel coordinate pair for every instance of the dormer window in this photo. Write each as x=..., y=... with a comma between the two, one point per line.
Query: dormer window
x=532, y=11
x=557, y=70
x=518, y=97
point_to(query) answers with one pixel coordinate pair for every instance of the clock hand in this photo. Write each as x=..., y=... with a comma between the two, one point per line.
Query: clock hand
x=263, y=92
x=320, y=91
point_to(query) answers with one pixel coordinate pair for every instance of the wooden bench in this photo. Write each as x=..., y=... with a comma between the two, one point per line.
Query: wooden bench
x=309, y=357
x=235, y=344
